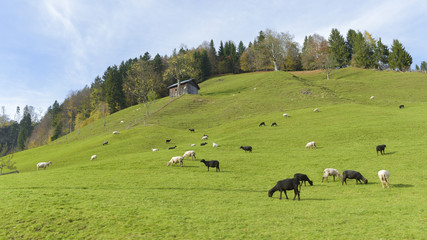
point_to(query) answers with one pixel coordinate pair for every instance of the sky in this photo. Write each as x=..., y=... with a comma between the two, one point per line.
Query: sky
x=49, y=48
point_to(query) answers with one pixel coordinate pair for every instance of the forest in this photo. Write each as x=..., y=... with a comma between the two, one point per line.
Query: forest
x=145, y=78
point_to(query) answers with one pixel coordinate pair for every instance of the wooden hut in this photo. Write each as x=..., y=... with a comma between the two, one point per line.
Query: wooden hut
x=187, y=87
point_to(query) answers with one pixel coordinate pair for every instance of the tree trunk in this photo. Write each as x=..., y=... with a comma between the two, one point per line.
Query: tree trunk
x=275, y=65
x=146, y=107
x=178, y=88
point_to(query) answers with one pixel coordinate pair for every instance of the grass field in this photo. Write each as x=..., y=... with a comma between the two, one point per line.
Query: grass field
x=130, y=193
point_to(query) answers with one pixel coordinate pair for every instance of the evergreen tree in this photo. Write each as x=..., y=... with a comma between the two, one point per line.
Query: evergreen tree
x=221, y=50
x=213, y=58
x=423, y=66
x=350, y=40
x=261, y=37
x=146, y=56
x=25, y=129
x=55, y=115
x=338, y=48
x=97, y=93
x=241, y=48
x=363, y=54
x=205, y=65
x=114, y=89
x=399, y=58
x=158, y=65
x=212, y=47
x=381, y=54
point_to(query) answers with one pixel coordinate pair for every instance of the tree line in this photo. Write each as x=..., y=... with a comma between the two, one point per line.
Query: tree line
x=145, y=78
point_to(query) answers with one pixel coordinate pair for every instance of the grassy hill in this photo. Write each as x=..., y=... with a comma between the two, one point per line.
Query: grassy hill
x=130, y=193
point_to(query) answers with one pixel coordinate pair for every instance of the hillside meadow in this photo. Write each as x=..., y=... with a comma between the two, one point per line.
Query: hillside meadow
x=130, y=193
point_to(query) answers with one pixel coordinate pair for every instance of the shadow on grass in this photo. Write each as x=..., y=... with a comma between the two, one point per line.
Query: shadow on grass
x=316, y=199
x=302, y=199
x=209, y=189
x=315, y=185
x=401, y=185
x=390, y=153
x=219, y=171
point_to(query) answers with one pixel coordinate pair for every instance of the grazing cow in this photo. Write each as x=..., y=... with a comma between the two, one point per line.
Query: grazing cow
x=262, y=124
x=401, y=106
x=191, y=130
x=168, y=140
x=274, y=124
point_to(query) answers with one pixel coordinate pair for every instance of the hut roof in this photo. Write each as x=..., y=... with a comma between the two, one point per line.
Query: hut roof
x=185, y=82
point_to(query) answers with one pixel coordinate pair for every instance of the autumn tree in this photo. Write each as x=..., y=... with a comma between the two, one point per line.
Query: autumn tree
x=276, y=46
x=311, y=51
x=6, y=162
x=180, y=67
x=262, y=60
x=142, y=82
x=292, y=60
x=248, y=60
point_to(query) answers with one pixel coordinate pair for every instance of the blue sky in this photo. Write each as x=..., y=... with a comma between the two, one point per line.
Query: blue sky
x=51, y=47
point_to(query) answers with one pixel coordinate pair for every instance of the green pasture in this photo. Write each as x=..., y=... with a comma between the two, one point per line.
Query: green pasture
x=130, y=193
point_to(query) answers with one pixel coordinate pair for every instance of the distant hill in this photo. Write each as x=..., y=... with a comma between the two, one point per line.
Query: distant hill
x=130, y=192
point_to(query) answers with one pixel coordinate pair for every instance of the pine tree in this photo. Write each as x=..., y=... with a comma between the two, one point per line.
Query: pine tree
x=423, y=66
x=25, y=129
x=350, y=40
x=114, y=89
x=399, y=58
x=205, y=65
x=146, y=56
x=241, y=48
x=338, y=48
x=381, y=54
x=221, y=50
x=213, y=58
x=158, y=65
